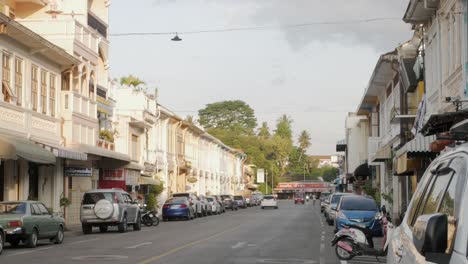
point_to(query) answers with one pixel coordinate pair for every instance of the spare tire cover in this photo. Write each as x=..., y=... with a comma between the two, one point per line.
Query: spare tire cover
x=103, y=209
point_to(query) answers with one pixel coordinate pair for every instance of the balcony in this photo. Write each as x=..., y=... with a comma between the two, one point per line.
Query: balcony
x=74, y=103
x=105, y=144
x=373, y=145
x=68, y=34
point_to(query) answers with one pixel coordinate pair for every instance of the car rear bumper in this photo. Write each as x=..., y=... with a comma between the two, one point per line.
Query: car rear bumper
x=175, y=212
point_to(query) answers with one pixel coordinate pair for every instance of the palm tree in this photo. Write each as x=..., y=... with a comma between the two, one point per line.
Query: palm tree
x=264, y=131
x=190, y=119
x=131, y=80
x=304, y=142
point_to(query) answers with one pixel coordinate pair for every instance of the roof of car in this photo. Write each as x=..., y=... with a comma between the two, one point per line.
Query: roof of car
x=106, y=190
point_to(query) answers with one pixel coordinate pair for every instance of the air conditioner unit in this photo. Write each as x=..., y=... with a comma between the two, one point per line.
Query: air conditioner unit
x=431, y=4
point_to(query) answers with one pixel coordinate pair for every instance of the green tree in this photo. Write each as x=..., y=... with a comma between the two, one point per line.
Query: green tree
x=284, y=127
x=228, y=115
x=190, y=119
x=264, y=131
x=304, y=142
x=131, y=80
x=329, y=173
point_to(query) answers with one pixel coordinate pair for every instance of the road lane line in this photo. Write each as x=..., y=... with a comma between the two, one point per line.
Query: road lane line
x=239, y=245
x=83, y=241
x=172, y=251
x=343, y=262
x=20, y=253
x=139, y=245
x=46, y=248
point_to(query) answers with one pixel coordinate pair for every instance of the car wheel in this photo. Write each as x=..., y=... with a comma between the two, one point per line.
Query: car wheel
x=58, y=239
x=2, y=242
x=137, y=225
x=14, y=242
x=123, y=225
x=31, y=240
x=103, y=228
x=330, y=222
x=276, y=207
x=87, y=229
x=263, y=207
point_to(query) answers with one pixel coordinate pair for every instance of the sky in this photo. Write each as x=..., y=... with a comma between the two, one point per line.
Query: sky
x=316, y=74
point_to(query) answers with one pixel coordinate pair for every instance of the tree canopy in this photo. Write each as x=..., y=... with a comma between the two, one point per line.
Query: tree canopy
x=264, y=131
x=228, y=115
x=284, y=127
x=131, y=80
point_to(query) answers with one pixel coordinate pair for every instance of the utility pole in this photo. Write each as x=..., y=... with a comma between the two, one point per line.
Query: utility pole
x=266, y=182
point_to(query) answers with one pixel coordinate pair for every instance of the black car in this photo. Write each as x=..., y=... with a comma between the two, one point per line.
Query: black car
x=229, y=202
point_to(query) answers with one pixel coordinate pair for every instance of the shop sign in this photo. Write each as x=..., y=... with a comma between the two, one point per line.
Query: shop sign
x=192, y=179
x=114, y=174
x=132, y=177
x=78, y=172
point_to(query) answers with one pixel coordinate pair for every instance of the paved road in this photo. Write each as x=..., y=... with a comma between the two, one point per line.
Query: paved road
x=292, y=234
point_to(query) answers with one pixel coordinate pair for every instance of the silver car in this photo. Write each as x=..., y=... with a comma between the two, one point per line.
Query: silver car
x=109, y=207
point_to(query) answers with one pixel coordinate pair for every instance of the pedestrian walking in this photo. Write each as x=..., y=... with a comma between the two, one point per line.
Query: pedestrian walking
x=313, y=199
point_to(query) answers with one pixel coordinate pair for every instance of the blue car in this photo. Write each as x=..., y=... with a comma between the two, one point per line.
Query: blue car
x=360, y=211
x=177, y=208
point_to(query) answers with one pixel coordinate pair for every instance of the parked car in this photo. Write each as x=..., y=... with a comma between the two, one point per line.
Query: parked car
x=28, y=222
x=331, y=208
x=240, y=201
x=433, y=229
x=248, y=201
x=299, y=198
x=206, y=206
x=109, y=207
x=269, y=201
x=219, y=199
x=2, y=239
x=177, y=207
x=215, y=207
x=258, y=197
x=323, y=202
x=229, y=202
x=360, y=211
x=194, y=202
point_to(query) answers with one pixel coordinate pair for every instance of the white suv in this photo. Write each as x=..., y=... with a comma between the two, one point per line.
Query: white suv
x=109, y=207
x=269, y=201
x=434, y=228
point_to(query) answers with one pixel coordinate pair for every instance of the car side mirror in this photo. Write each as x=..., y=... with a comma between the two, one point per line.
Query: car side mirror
x=430, y=233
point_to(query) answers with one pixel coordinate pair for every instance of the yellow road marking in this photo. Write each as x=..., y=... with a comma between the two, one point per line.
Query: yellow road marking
x=172, y=251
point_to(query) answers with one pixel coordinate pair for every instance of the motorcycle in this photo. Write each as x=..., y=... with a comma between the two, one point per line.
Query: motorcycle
x=307, y=198
x=355, y=240
x=148, y=217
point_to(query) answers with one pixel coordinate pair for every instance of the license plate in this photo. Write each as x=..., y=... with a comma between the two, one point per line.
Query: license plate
x=175, y=207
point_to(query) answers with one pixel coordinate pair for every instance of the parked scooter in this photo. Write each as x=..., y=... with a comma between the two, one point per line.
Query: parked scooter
x=149, y=217
x=354, y=240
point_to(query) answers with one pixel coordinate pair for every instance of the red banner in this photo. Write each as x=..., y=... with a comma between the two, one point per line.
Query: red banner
x=300, y=185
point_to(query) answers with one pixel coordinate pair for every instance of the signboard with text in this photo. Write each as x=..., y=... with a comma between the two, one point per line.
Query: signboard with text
x=78, y=172
x=113, y=174
x=301, y=185
x=260, y=175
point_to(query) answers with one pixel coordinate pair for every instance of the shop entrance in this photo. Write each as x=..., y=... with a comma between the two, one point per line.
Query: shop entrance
x=33, y=172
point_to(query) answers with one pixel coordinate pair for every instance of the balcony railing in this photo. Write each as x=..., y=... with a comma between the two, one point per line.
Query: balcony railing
x=373, y=145
x=66, y=33
x=105, y=144
x=76, y=103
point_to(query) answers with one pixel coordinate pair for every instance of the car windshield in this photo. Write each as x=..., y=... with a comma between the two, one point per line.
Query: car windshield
x=13, y=208
x=210, y=199
x=299, y=195
x=180, y=195
x=93, y=198
x=225, y=197
x=358, y=204
x=268, y=197
x=179, y=200
x=237, y=197
x=336, y=198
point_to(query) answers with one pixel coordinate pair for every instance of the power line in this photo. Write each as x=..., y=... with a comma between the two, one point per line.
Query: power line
x=318, y=23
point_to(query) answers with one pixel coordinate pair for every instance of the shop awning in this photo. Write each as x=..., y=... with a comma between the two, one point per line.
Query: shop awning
x=419, y=145
x=362, y=171
x=406, y=166
x=148, y=181
x=440, y=123
x=134, y=166
x=382, y=154
x=101, y=152
x=69, y=154
x=12, y=148
x=341, y=145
